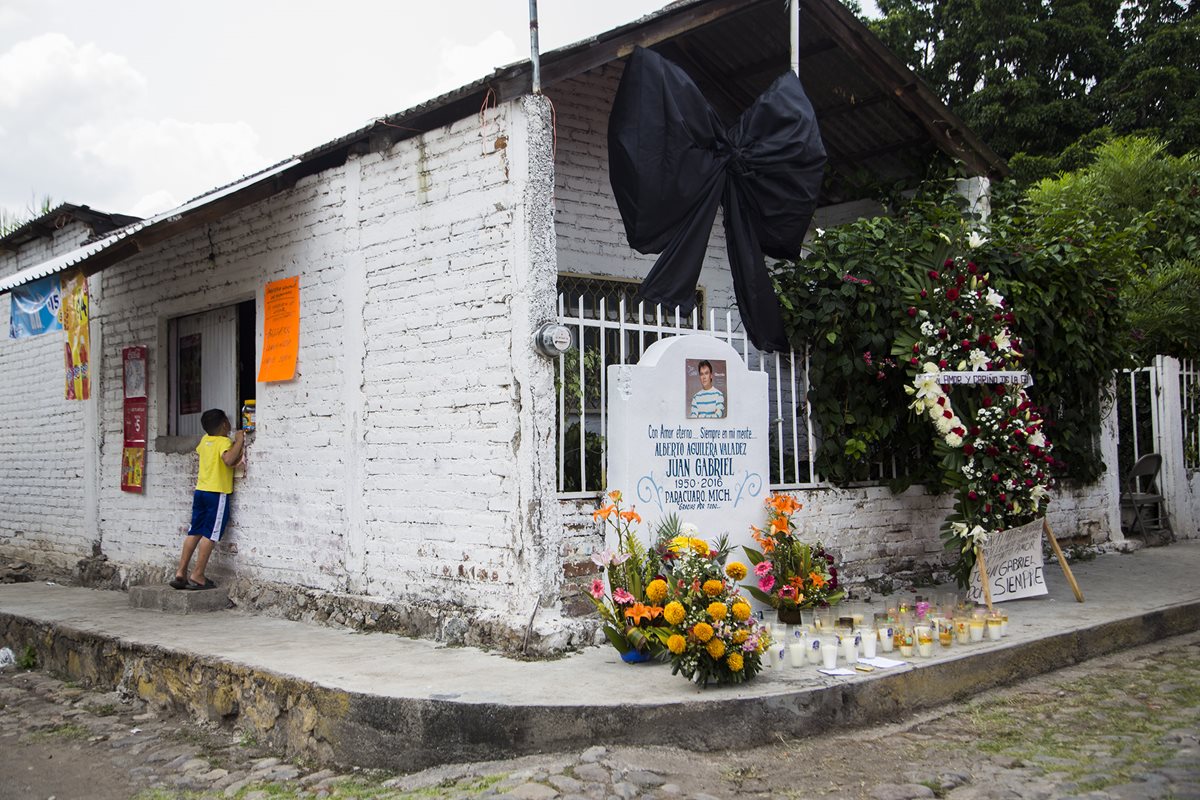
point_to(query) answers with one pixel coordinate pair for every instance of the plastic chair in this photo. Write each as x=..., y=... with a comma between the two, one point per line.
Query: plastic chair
x=1137, y=495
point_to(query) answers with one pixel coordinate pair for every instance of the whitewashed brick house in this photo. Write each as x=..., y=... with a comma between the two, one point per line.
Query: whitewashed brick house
x=408, y=478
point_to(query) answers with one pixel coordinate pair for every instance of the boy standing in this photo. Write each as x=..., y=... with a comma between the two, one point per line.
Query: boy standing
x=210, y=503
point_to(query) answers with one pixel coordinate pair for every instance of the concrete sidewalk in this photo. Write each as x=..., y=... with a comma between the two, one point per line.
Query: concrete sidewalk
x=380, y=700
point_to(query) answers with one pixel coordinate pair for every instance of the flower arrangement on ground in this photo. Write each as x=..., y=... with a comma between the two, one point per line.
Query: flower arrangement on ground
x=990, y=437
x=631, y=603
x=714, y=637
x=791, y=574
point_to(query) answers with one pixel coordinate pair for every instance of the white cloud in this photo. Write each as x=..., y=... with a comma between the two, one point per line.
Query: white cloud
x=75, y=128
x=460, y=64
x=163, y=160
x=50, y=69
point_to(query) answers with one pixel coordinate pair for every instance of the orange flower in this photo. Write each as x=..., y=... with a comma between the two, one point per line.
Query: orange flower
x=818, y=580
x=713, y=587
x=631, y=516
x=784, y=503
x=603, y=513
x=796, y=581
x=615, y=495
x=639, y=611
x=779, y=524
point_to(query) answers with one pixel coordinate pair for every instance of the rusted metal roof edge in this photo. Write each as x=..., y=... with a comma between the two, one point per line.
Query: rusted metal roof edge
x=127, y=241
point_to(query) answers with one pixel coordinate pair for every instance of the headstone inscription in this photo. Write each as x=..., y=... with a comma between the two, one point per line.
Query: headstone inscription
x=688, y=435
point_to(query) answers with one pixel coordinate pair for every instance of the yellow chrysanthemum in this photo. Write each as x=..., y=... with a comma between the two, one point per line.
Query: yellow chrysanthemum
x=715, y=648
x=717, y=611
x=713, y=587
x=735, y=662
x=656, y=592
x=741, y=611
x=673, y=613
x=703, y=631
x=676, y=643
x=736, y=570
x=700, y=547
x=740, y=636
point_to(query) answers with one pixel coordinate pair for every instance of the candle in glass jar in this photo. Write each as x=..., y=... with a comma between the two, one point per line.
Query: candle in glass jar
x=1004, y=623
x=924, y=635
x=993, y=628
x=945, y=632
x=814, y=647
x=977, y=626
x=962, y=629
x=887, y=639
x=849, y=644
x=906, y=643
x=868, y=639
x=829, y=652
x=796, y=652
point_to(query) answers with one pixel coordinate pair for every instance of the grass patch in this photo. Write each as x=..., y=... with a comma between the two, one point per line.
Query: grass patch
x=105, y=710
x=369, y=788
x=28, y=658
x=66, y=730
x=1056, y=731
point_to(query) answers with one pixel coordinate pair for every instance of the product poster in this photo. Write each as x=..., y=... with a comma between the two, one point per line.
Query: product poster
x=134, y=371
x=74, y=318
x=35, y=308
x=281, y=330
x=133, y=469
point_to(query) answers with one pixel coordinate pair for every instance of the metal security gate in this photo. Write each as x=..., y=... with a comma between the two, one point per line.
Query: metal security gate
x=618, y=334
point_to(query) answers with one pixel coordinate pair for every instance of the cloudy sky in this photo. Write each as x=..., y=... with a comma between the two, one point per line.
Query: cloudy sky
x=137, y=106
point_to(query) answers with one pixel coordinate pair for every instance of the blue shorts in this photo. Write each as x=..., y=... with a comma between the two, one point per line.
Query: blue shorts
x=210, y=514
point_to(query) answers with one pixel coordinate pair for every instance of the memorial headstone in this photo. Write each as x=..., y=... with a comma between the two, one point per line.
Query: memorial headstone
x=688, y=435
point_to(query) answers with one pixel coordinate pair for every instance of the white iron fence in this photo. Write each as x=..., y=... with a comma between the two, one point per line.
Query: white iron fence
x=618, y=334
x=1159, y=411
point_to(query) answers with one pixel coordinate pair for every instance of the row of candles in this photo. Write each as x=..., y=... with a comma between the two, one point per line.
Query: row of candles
x=908, y=627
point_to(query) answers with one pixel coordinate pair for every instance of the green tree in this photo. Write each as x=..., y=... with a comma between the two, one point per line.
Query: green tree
x=1156, y=86
x=1018, y=71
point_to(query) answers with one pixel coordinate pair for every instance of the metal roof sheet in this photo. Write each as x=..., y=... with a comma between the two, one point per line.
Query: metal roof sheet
x=84, y=253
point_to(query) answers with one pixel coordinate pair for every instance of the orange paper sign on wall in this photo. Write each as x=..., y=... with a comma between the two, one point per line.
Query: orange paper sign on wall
x=281, y=330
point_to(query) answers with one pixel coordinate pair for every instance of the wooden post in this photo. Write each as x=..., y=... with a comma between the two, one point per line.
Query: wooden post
x=1062, y=560
x=983, y=578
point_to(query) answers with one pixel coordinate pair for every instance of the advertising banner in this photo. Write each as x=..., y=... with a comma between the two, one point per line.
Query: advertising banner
x=35, y=308
x=74, y=318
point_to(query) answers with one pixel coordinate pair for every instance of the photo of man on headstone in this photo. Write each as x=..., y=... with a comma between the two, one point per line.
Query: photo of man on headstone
x=705, y=383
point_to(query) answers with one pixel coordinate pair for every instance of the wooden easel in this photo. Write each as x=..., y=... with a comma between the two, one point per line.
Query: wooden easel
x=1062, y=562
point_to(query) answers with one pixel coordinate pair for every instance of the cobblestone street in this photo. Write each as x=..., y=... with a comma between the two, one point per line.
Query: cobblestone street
x=1123, y=726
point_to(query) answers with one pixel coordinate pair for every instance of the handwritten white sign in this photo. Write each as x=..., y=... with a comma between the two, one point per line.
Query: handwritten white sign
x=1013, y=559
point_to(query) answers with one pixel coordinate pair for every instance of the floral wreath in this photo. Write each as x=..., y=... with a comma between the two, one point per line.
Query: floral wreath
x=990, y=438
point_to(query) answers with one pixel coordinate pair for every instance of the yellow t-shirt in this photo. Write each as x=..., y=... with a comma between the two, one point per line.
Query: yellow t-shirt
x=215, y=474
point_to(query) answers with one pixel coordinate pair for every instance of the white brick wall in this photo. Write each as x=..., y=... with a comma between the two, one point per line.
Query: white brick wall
x=591, y=236
x=872, y=530
x=389, y=467
x=43, y=448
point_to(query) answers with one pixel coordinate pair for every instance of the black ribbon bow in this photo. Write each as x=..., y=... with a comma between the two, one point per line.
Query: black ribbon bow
x=671, y=163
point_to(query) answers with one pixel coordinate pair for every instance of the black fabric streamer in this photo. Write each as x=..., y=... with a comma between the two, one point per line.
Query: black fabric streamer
x=671, y=163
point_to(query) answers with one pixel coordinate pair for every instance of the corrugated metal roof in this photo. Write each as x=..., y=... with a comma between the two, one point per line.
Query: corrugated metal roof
x=83, y=254
x=875, y=115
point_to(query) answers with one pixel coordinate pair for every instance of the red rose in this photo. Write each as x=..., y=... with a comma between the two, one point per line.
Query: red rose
x=949, y=262
x=912, y=311
x=995, y=478
x=973, y=495
x=971, y=268
x=924, y=294
x=1003, y=497
x=969, y=449
x=916, y=348
x=934, y=274
x=941, y=363
x=952, y=294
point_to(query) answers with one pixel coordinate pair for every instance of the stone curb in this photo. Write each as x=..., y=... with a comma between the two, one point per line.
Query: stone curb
x=333, y=726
